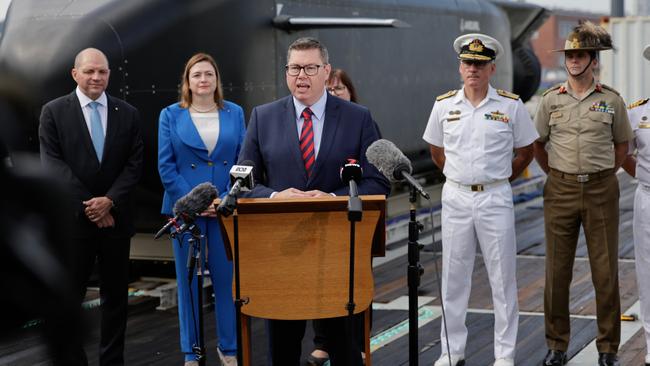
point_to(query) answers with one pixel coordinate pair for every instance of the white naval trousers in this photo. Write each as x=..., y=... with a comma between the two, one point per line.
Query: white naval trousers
x=487, y=218
x=641, y=233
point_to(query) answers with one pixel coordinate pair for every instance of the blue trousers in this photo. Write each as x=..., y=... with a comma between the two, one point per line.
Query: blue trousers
x=221, y=275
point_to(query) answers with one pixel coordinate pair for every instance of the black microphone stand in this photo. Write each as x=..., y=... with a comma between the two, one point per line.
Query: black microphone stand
x=414, y=272
x=355, y=211
x=194, y=261
x=239, y=302
x=225, y=209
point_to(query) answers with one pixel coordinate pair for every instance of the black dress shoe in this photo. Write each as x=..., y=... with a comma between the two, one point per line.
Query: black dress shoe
x=608, y=359
x=555, y=358
x=316, y=361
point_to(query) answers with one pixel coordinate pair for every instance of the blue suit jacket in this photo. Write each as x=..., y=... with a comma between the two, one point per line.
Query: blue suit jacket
x=183, y=160
x=272, y=144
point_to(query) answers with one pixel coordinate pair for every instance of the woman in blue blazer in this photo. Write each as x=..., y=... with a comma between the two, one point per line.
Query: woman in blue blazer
x=199, y=140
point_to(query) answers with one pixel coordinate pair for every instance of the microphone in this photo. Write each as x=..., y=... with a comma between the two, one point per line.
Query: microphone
x=188, y=207
x=173, y=221
x=241, y=180
x=389, y=160
x=351, y=172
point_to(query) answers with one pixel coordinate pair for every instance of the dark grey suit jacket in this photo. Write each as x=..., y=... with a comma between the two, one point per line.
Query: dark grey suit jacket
x=67, y=150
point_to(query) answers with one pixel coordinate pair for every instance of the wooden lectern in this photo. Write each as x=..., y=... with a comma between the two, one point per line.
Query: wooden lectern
x=294, y=258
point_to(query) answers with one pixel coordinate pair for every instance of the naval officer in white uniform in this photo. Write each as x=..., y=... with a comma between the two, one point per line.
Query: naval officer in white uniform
x=473, y=133
x=639, y=166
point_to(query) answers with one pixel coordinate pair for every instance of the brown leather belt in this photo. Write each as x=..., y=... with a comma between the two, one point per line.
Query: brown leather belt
x=582, y=178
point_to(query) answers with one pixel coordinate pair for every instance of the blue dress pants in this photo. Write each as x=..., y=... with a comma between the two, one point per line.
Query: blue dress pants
x=220, y=272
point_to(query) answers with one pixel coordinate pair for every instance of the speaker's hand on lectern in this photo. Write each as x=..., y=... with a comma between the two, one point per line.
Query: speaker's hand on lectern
x=291, y=193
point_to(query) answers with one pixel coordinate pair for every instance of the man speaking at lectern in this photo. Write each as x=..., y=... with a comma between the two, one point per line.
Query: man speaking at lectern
x=298, y=145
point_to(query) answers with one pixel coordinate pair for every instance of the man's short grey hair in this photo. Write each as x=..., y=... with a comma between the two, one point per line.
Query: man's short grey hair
x=309, y=43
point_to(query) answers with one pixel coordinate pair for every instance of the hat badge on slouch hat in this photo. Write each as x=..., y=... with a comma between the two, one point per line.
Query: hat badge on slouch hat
x=587, y=36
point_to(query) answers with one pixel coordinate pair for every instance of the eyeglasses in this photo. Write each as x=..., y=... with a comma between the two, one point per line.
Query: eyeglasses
x=337, y=89
x=310, y=70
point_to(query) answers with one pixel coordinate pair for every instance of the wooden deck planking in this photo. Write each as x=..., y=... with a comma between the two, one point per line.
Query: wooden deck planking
x=633, y=352
x=531, y=346
x=530, y=281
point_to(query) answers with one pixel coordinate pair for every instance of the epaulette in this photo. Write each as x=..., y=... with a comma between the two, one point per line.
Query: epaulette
x=507, y=94
x=448, y=94
x=554, y=87
x=610, y=89
x=639, y=102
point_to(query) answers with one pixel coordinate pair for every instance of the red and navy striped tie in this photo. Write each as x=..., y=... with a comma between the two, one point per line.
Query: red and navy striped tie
x=307, y=141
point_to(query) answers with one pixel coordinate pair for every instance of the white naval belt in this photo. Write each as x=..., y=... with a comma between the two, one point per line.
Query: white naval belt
x=477, y=187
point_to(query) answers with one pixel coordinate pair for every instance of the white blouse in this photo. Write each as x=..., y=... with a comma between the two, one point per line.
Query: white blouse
x=208, y=126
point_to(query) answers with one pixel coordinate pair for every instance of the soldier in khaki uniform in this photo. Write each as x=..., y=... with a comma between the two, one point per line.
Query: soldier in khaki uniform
x=585, y=126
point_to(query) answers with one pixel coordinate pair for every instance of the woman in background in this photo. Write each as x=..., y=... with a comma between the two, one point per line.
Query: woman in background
x=199, y=139
x=339, y=84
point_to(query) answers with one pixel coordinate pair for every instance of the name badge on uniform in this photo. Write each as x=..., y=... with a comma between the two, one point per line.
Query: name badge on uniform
x=644, y=125
x=497, y=116
x=453, y=116
x=602, y=106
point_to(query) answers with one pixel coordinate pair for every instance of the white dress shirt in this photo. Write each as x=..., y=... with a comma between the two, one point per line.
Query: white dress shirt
x=479, y=142
x=640, y=121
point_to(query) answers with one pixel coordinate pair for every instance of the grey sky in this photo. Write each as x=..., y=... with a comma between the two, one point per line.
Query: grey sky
x=596, y=6
x=3, y=7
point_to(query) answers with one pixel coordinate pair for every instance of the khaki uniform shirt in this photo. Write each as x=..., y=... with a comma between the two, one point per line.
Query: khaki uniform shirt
x=581, y=133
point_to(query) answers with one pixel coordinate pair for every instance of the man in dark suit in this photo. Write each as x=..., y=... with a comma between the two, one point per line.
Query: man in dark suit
x=92, y=141
x=298, y=145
